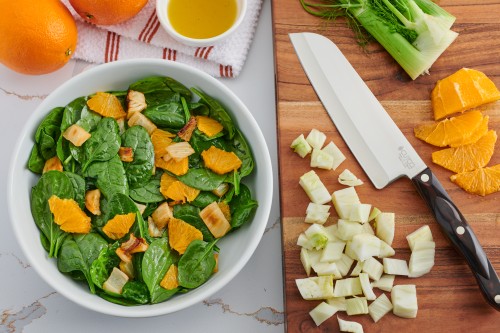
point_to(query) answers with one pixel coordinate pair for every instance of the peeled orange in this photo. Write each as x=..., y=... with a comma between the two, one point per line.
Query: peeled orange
x=482, y=181
x=181, y=234
x=463, y=90
x=107, y=12
x=107, y=105
x=36, y=37
x=69, y=216
x=220, y=161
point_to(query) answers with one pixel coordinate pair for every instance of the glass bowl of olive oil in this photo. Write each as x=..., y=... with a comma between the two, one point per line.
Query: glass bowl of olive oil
x=200, y=22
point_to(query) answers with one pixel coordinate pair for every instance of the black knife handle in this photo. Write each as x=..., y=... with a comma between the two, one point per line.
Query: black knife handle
x=456, y=228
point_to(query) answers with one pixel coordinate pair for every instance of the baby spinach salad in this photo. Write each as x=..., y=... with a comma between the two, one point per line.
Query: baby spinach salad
x=138, y=186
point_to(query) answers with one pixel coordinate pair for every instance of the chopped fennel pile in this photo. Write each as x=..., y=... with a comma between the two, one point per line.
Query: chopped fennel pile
x=348, y=263
x=414, y=32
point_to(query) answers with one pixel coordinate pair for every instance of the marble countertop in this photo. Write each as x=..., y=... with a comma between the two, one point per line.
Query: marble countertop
x=252, y=302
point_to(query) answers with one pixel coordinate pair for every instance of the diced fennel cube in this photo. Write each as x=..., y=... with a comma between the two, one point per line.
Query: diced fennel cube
x=347, y=287
x=347, y=178
x=356, y=306
x=357, y=269
x=422, y=258
x=314, y=256
x=301, y=146
x=349, y=326
x=386, y=250
x=316, y=138
x=347, y=229
x=314, y=188
x=395, y=266
x=367, y=229
x=115, y=282
x=366, y=286
x=327, y=268
x=385, y=282
x=374, y=213
x=322, y=312
x=338, y=303
x=335, y=152
x=304, y=242
x=316, y=287
x=331, y=231
x=332, y=251
x=320, y=159
x=373, y=268
x=404, y=300
x=365, y=246
x=379, y=307
x=360, y=212
x=317, y=236
x=316, y=213
x=305, y=260
x=343, y=201
x=422, y=233
x=344, y=264
x=385, y=227
x=349, y=252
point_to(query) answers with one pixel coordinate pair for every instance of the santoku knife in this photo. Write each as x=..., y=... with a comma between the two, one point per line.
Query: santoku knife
x=383, y=151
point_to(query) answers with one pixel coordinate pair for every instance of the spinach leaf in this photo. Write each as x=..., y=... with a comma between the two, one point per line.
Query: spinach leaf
x=120, y=204
x=242, y=207
x=196, y=264
x=241, y=148
x=89, y=119
x=217, y=112
x=62, y=151
x=199, y=142
x=136, y=291
x=36, y=162
x=138, y=171
x=199, y=109
x=116, y=298
x=202, y=179
x=191, y=215
x=78, y=252
x=103, y=144
x=50, y=183
x=47, y=141
x=73, y=112
x=78, y=187
x=155, y=263
x=204, y=199
x=52, y=119
x=178, y=87
x=149, y=84
x=170, y=115
x=158, y=97
x=110, y=176
x=101, y=268
x=149, y=192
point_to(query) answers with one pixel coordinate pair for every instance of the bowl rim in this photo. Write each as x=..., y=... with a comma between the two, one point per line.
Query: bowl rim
x=161, y=13
x=198, y=294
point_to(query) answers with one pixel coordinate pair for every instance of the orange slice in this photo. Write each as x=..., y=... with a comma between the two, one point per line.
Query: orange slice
x=178, y=168
x=169, y=281
x=468, y=157
x=208, y=126
x=165, y=181
x=161, y=140
x=69, y=216
x=463, y=90
x=482, y=181
x=220, y=161
x=178, y=191
x=107, y=105
x=119, y=225
x=454, y=131
x=181, y=234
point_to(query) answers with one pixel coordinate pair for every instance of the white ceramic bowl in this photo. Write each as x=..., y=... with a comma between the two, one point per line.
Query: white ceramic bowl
x=161, y=12
x=236, y=248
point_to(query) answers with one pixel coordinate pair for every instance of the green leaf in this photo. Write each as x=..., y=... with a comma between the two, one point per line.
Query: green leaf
x=202, y=179
x=110, y=176
x=217, y=112
x=197, y=264
x=191, y=214
x=101, y=268
x=78, y=187
x=36, y=162
x=103, y=144
x=138, y=171
x=242, y=207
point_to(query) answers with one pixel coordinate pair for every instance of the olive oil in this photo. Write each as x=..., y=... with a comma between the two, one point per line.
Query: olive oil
x=202, y=19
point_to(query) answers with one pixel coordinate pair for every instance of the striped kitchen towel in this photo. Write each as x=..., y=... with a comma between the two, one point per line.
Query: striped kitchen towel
x=143, y=37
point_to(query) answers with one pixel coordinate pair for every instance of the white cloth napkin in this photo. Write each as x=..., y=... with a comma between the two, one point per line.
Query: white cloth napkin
x=143, y=37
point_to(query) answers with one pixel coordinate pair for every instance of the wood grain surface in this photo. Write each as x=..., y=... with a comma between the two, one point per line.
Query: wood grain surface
x=448, y=297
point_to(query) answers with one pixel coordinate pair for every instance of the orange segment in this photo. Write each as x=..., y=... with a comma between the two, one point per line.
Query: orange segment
x=165, y=181
x=119, y=225
x=463, y=90
x=468, y=157
x=178, y=168
x=107, y=105
x=181, y=234
x=69, y=216
x=161, y=140
x=476, y=135
x=454, y=131
x=220, y=161
x=482, y=181
x=169, y=281
x=208, y=126
x=178, y=191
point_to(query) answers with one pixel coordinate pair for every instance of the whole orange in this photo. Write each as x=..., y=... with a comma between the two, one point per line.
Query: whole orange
x=36, y=37
x=107, y=12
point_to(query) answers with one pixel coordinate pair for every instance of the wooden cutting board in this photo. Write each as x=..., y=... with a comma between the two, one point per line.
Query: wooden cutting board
x=448, y=297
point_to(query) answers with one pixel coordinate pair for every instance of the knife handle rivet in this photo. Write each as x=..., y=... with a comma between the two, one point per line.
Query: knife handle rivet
x=424, y=178
x=460, y=230
x=497, y=299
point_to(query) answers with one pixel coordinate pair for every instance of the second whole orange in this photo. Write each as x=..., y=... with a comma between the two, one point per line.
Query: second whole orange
x=107, y=12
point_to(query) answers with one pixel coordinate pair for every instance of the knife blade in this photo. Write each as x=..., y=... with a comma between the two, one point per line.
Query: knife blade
x=383, y=151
